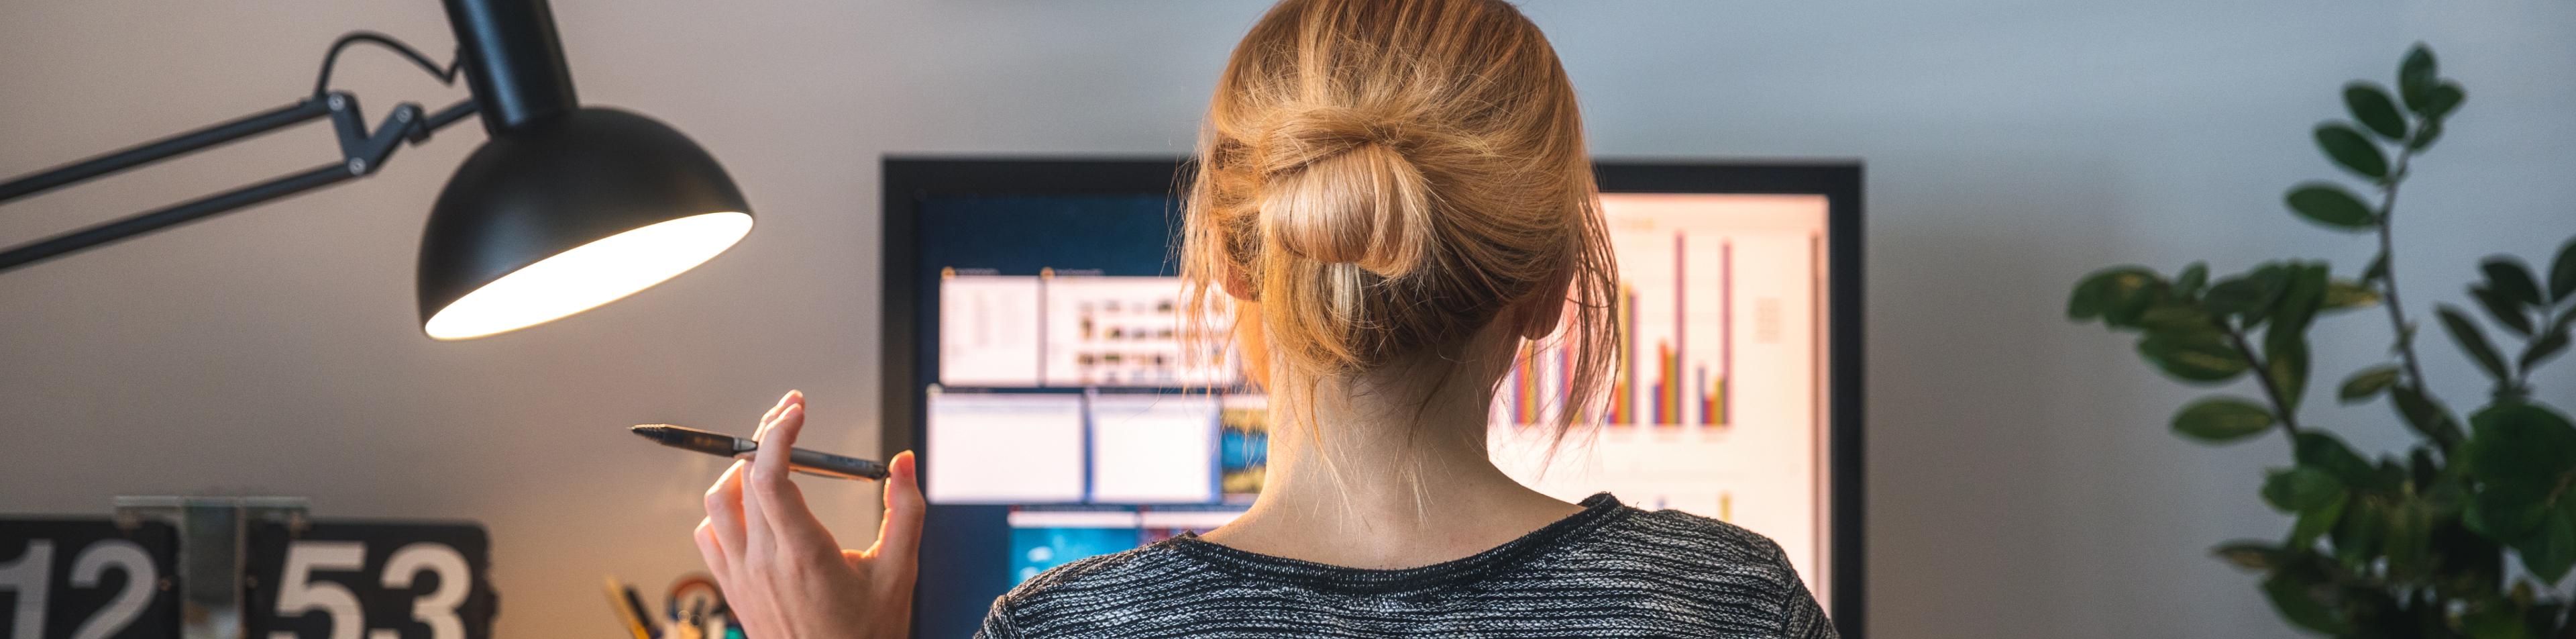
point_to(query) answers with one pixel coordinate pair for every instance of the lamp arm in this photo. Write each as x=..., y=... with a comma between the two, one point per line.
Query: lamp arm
x=156, y=150
x=362, y=152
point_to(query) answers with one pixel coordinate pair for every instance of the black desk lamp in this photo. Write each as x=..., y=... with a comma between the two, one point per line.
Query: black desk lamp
x=564, y=208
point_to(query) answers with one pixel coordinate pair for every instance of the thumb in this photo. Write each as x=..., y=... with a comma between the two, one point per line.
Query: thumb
x=899, y=538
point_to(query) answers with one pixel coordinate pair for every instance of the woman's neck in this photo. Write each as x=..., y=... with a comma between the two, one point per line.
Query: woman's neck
x=1387, y=479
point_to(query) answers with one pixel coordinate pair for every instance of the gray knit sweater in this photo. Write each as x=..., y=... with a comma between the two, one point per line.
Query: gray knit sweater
x=1608, y=571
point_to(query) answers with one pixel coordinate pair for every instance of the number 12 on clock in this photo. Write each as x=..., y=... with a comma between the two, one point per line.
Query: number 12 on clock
x=86, y=579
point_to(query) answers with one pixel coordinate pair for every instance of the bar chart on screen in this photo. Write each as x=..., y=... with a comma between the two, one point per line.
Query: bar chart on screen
x=1661, y=378
x=1712, y=402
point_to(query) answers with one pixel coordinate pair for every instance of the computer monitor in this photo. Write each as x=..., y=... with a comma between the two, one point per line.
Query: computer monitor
x=1033, y=357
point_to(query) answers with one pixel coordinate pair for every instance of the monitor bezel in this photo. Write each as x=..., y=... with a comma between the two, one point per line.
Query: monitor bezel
x=907, y=180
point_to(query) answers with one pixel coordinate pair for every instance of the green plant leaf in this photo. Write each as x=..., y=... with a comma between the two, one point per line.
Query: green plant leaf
x=2368, y=383
x=2357, y=537
x=2442, y=100
x=2353, y=152
x=2346, y=294
x=2249, y=555
x=2504, y=310
x=2276, y=278
x=2551, y=552
x=2546, y=346
x=2084, y=303
x=2372, y=107
x=2506, y=511
x=2319, y=450
x=2316, y=522
x=2426, y=415
x=2510, y=278
x=2286, y=359
x=2416, y=77
x=2303, y=292
x=2245, y=293
x=2521, y=444
x=2474, y=341
x=2193, y=356
x=2220, y=420
x=2520, y=453
x=2285, y=342
x=2331, y=206
x=2118, y=295
x=2305, y=603
x=2193, y=278
x=2176, y=317
x=2378, y=269
x=2562, y=273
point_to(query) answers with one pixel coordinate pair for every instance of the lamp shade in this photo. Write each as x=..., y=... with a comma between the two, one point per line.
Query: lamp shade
x=560, y=215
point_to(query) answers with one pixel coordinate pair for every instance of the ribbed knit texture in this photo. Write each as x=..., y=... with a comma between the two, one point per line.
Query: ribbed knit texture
x=1608, y=571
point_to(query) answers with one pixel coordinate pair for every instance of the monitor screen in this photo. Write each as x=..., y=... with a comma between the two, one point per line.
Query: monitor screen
x=1034, y=359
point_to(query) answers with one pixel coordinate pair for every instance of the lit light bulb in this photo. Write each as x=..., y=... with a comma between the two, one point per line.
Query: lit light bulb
x=589, y=275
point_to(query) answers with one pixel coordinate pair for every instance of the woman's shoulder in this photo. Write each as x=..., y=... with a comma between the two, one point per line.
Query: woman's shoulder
x=1691, y=544
x=1729, y=570
x=1693, y=538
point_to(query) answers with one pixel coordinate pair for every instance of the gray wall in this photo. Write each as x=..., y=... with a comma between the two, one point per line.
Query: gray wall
x=2022, y=482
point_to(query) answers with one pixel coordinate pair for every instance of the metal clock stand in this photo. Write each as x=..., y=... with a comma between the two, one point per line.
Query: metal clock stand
x=213, y=552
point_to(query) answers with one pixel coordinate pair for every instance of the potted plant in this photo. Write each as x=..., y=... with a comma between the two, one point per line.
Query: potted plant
x=2467, y=532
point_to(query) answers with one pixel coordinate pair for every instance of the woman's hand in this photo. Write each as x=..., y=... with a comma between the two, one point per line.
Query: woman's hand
x=783, y=575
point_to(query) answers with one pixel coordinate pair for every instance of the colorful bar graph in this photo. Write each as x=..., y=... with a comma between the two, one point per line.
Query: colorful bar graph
x=1704, y=404
x=1671, y=388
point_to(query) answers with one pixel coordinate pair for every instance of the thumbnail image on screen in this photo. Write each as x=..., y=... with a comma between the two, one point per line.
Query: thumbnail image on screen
x=1063, y=418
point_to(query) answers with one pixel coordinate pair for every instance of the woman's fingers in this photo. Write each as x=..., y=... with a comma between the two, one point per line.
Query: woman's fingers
x=759, y=537
x=766, y=419
x=769, y=466
x=724, y=522
x=773, y=413
x=719, y=562
x=798, y=532
x=757, y=541
x=711, y=550
x=899, y=537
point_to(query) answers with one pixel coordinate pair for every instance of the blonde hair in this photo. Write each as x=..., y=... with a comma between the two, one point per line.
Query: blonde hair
x=1387, y=178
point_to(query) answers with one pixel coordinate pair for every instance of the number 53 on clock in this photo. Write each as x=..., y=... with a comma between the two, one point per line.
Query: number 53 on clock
x=352, y=580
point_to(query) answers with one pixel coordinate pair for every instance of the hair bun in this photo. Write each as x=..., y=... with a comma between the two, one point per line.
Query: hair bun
x=1382, y=182
x=1339, y=188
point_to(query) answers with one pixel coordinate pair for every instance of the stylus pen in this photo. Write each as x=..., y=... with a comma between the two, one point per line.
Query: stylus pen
x=723, y=445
